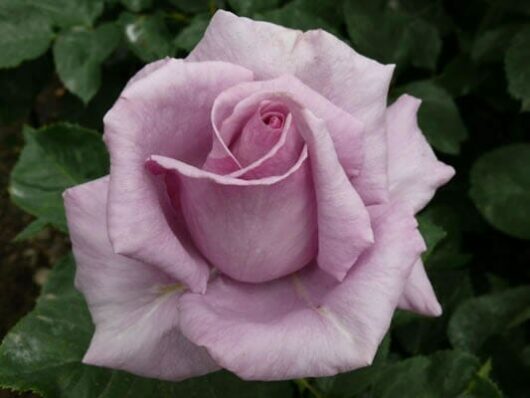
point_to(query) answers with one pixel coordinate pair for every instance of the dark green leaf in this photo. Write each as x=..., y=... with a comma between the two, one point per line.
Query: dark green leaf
x=431, y=232
x=479, y=318
x=43, y=353
x=147, y=36
x=194, y=6
x=24, y=34
x=483, y=388
x=31, y=230
x=448, y=253
x=295, y=16
x=500, y=188
x=191, y=34
x=490, y=46
x=67, y=13
x=418, y=334
x=460, y=76
x=397, y=37
x=438, y=116
x=78, y=57
x=249, y=7
x=55, y=158
x=444, y=374
x=518, y=67
x=137, y=5
x=512, y=5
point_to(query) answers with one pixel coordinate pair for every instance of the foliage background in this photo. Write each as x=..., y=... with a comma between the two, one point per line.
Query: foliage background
x=62, y=65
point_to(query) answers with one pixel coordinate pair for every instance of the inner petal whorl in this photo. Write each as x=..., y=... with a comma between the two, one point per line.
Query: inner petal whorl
x=260, y=133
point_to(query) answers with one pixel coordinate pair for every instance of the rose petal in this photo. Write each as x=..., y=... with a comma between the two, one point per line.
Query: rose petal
x=344, y=229
x=133, y=305
x=345, y=130
x=413, y=170
x=252, y=230
x=309, y=325
x=167, y=112
x=419, y=295
x=321, y=61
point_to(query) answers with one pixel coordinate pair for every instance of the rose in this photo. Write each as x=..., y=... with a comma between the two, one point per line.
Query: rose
x=259, y=212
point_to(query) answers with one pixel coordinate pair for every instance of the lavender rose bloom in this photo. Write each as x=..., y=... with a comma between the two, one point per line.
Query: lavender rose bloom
x=259, y=212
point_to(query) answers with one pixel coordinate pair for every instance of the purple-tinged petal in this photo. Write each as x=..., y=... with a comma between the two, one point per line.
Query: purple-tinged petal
x=166, y=111
x=419, y=295
x=238, y=102
x=344, y=229
x=413, y=170
x=133, y=305
x=253, y=230
x=308, y=325
x=327, y=65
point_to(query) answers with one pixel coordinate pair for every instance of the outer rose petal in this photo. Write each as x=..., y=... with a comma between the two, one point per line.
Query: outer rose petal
x=307, y=325
x=134, y=305
x=414, y=173
x=252, y=230
x=166, y=111
x=418, y=295
x=321, y=61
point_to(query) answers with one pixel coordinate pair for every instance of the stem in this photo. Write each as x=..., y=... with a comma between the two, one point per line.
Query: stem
x=305, y=385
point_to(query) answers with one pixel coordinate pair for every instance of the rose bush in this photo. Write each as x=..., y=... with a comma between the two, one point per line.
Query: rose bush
x=259, y=211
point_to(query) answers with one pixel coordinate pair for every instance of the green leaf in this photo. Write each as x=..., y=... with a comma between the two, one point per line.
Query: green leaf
x=43, y=353
x=490, y=46
x=438, y=116
x=444, y=374
x=24, y=34
x=431, y=232
x=512, y=5
x=188, y=37
x=517, y=63
x=460, y=76
x=483, y=388
x=249, y=7
x=137, y=5
x=67, y=13
x=418, y=334
x=390, y=35
x=55, y=158
x=31, y=230
x=500, y=188
x=448, y=252
x=147, y=36
x=479, y=318
x=194, y=6
x=294, y=15
x=78, y=57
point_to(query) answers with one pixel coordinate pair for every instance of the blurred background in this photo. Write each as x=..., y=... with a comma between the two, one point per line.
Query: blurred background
x=63, y=64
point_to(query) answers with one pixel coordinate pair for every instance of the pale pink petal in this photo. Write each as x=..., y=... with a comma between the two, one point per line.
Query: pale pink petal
x=419, y=295
x=258, y=150
x=166, y=111
x=327, y=65
x=148, y=69
x=344, y=229
x=414, y=173
x=133, y=305
x=252, y=230
x=307, y=325
x=240, y=101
